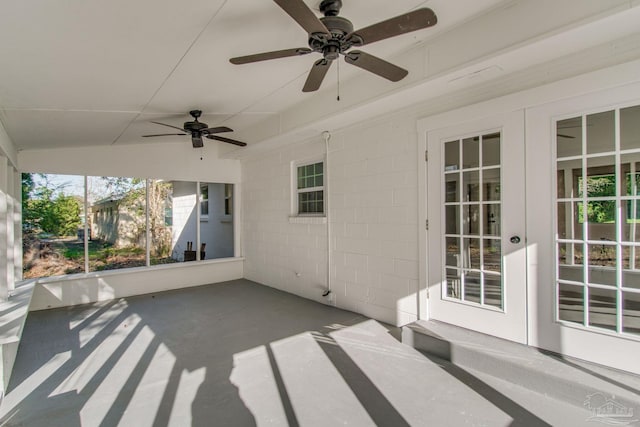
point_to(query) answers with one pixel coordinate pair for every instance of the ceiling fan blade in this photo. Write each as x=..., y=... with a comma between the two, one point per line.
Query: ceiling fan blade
x=376, y=65
x=196, y=141
x=412, y=21
x=316, y=75
x=228, y=140
x=270, y=55
x=566, y=136
x=218, y=129
x=164, y=134
x=164, y=124
x=304, y=16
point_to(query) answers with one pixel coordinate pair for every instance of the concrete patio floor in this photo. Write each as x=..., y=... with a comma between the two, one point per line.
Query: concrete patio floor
x=242, y=354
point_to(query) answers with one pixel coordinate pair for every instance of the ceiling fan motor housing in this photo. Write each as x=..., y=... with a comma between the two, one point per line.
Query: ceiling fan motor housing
x=195, y=126
x=332, y=47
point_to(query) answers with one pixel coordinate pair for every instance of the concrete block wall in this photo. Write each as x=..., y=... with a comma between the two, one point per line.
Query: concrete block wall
x=278, y=252
x=373, y=215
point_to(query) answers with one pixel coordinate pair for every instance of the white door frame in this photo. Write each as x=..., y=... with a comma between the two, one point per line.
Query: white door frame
x=510, y=321
x=614, y=82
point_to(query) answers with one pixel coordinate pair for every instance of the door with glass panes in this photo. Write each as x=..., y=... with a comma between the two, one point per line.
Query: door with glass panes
x=585, y=237
x=597, y=234
x=475, y=240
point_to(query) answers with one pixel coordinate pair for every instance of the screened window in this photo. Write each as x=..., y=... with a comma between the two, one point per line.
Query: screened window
x=310, y=188
x=130, y=222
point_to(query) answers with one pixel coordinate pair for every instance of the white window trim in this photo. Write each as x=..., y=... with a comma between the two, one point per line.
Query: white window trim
x=307, y=218
x=203, y=217
x=227, y=217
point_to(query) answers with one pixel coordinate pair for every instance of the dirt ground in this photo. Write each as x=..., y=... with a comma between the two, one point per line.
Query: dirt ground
x=46, y=257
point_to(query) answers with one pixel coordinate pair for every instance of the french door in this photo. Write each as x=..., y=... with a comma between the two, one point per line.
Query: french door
x=539, y=242
x=476, y=258
x=587, y=283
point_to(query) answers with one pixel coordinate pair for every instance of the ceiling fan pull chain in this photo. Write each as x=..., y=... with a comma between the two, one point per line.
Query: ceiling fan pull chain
x=338, y=61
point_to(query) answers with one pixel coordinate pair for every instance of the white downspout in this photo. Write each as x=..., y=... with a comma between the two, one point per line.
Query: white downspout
x=327, y=136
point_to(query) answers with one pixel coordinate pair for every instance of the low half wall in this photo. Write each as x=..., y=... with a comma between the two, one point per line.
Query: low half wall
x=106, y=285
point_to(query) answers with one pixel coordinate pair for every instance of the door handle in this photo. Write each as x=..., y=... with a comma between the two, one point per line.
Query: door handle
x=515, y=240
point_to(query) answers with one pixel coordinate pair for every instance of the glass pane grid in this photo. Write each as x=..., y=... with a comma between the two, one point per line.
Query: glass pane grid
x=310, y=176
x=472, y=226
x=602, y=289
x=311, y=202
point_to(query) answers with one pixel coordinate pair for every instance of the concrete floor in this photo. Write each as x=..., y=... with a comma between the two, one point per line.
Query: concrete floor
x=242, y=354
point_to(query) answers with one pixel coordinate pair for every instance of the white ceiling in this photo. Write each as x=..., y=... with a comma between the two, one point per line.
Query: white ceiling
x=90, y=72
x=96, y=72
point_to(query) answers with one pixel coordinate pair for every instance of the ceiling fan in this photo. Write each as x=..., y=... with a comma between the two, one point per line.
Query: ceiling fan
x=568, y=125
x=333, y=35
x=199, y=129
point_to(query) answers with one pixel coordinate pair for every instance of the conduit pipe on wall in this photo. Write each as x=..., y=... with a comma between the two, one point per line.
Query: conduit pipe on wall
x=326, y=135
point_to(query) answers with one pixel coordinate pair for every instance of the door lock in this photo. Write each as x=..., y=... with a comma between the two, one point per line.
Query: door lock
x=515, y=240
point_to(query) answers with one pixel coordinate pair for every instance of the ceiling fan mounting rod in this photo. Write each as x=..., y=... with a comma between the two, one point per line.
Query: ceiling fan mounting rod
x=330, y=7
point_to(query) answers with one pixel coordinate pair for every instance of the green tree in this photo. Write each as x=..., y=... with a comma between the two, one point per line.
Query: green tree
x=65, y=216
x=47, y=208
x=27, y=185
x=29, y=214
x=599, y=211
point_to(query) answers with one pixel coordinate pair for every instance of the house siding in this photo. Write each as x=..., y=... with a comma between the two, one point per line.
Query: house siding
x=216, y=231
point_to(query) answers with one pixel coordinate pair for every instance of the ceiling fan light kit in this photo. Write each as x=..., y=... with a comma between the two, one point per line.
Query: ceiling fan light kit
x=333, y=35
x=197, y=130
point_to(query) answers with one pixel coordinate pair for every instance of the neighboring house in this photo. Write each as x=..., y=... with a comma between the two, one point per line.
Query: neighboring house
x=211, y=214
x=118, y=223
x=121, y=221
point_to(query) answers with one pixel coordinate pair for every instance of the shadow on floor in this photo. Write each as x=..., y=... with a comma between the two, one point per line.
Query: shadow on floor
x=73, y=361
x=228, y=354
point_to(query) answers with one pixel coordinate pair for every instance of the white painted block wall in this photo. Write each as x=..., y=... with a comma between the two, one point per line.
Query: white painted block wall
x=373, y=214
x=277, y=249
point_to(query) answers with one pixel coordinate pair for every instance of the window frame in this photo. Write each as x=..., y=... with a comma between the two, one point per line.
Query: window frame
x=295, y=191
x=202, y=201
x=228, y=200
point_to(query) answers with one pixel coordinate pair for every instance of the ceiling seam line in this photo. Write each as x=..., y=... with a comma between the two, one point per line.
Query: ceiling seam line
x=195, y=40
x=242, y=111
